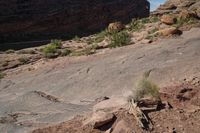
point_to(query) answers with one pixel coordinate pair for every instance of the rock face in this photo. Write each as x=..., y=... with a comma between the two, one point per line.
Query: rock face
x=177, y=6
x=23, y=20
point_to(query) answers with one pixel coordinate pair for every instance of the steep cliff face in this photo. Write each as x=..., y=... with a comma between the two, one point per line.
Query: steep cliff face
x=22, y=20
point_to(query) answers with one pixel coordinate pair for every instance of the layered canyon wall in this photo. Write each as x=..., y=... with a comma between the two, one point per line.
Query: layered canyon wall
x=30, y=20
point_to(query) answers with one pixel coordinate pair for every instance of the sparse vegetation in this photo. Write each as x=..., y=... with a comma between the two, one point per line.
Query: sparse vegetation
x=146, y=87
x=26, y=52
x=119, y=39
x=10, y=51
x=136, y=25
x=99, y=37
x=51, y=50
x=2, y=75
x=23, y=60
x=86, y=51
x=152, y=34
x=6, y=63
x=66, y=52
x=181, y=22
x=76, y=38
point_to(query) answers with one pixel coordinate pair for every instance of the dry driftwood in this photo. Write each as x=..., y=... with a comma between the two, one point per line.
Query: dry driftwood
x=141, y=118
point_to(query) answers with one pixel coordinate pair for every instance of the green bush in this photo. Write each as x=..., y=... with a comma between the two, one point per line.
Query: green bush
x=136, y=25
x=57, y=43
x=119, y=39
x=52, y=49
x=99, y=37
x=146, y=87
x=66, y=52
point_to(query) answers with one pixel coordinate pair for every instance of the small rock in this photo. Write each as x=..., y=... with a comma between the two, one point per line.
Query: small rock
x=99, y=119
x=115, y=27
x=168, y=19
x=167, y=105
x=121, y=127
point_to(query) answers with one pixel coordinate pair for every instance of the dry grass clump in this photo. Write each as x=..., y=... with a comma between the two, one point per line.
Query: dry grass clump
x=145, y=87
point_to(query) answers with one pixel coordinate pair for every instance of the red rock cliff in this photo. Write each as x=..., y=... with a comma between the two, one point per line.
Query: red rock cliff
x=22, y=20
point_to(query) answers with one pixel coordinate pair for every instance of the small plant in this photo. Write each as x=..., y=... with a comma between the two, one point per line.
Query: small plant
x=86, y=51
x=119, y=39
x=51, y=50
x=146, y=87
x=10, y=51
x=152, y=34
x=26, y=52
x=136, y=25
x=76, y=38
x=23, y=60
x=6, y=63
x=181, y=22
x=99, y=37
x=66, y=52
x=57, y=43
x=2, y=75
x=154, y=19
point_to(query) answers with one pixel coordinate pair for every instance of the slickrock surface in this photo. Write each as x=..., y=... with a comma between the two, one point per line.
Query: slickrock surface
x=56, y=90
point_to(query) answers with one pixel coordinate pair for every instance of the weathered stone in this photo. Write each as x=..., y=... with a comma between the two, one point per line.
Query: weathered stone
x=99, y=119
x=169, y=31
x=195, y=8
x=115, y=27
x=121, y=127
x=37, y=19
x=168, y=19
x=111, y=103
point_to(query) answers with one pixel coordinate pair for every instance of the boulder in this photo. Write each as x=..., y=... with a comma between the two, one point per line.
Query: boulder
x=169, y=31
x=112, y=103
x=99, y=119
x=121, y=127
x=168, y=19
x=115, y=27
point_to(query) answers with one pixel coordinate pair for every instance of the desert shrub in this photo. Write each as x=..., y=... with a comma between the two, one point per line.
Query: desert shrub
x=76, y=38
x=99, y=37
x=66, y=52
x=52, y=49
x=180, y=21
x=119, y=39
x=57, y=43
x=26, y=52
x=145, y=87
x=10, y=51
x=86, y=51
x=152, y=34
x=23, y=60
x=154, y=19
x=136, y=25
x=2, y=75
x=6, y=63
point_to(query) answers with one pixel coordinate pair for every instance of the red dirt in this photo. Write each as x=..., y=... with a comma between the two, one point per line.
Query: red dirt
x=183, y=117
